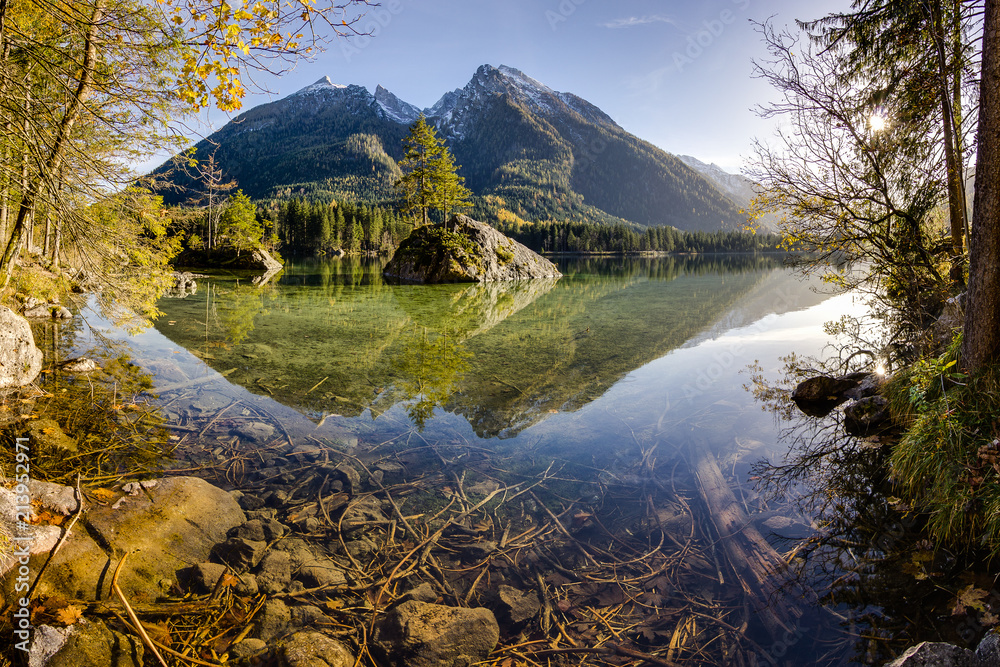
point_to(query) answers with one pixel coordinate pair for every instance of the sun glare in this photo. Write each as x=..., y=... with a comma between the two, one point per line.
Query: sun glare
x=876, y=122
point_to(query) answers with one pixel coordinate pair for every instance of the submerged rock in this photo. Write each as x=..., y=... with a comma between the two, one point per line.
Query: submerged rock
x=46, y=434
x=79, y=365
x=165, y=529
x=936, y=654
x=465, y=251
x=89, y=642
x=419, y=634
x=20, y=360
x=312, y=649
x=867, y=416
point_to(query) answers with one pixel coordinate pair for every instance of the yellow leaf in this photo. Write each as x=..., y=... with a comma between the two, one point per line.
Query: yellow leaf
x=69, y=615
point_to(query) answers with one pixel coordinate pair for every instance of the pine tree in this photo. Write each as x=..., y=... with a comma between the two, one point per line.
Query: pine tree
x=422, y=148
x=449, y=188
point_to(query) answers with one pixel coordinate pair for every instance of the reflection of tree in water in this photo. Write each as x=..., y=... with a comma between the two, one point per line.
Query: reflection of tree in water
x=431, y=368
x=236, y=308
x=117, y=433
x=881, y=583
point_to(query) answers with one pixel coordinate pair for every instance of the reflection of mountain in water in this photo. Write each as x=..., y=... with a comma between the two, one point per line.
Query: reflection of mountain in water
x=333, y=338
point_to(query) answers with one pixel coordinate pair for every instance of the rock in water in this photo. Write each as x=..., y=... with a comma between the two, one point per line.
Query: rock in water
x=418, y=634
x=20, y=360
x=465, y=251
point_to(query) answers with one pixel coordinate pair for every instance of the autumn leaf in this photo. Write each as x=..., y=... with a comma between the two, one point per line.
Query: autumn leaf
x=69, y=615
x=969, y=597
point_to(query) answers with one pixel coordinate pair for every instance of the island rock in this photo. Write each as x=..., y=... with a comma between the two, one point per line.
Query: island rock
x=465, y=251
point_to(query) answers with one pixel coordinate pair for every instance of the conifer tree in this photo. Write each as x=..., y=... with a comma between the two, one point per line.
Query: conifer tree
x=422, y=148
x=449, y=188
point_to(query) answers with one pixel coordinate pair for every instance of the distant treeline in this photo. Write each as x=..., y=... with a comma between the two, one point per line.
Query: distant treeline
x=306, y=227
x=320, y=228
x=621, y=238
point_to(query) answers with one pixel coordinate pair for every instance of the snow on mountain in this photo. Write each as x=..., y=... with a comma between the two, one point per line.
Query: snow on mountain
x=321, y=86
x=395, y=108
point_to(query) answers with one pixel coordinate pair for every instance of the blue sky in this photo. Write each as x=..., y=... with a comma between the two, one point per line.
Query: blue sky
x=676, y=73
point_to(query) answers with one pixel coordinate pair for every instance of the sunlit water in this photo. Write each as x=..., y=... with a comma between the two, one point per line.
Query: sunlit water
x=617, y=356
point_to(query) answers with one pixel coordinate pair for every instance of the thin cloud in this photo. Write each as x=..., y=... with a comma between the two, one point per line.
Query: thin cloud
x=631, y=21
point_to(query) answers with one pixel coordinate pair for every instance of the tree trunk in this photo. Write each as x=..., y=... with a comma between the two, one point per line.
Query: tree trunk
x=54, y=161
x=981, y=344
x=952, y=155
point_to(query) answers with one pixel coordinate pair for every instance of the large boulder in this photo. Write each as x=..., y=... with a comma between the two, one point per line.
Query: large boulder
x=465, y=251
x=165, y=528
x=20, y=360
x=420, y=634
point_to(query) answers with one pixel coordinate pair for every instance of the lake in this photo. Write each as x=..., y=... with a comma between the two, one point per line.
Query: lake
x=608, y=385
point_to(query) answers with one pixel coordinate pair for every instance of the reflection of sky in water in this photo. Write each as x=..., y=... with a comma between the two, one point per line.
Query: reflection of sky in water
x=703, y=385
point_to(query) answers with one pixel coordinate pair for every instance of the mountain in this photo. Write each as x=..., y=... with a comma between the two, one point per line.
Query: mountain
x=526, y=151
x=738, y=188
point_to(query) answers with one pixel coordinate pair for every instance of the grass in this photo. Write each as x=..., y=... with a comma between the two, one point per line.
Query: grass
x=946, y=463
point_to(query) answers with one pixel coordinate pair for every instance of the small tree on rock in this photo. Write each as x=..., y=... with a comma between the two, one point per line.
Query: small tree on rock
x=421, y=148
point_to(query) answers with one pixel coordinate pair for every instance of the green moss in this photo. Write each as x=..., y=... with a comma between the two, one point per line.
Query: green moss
x=504, y=254
x=431, y=246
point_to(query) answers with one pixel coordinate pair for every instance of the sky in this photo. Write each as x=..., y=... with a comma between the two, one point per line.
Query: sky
x=677, y=73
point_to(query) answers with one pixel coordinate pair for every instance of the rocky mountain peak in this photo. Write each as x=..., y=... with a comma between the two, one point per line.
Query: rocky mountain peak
x=321, y=86
x=395, y=108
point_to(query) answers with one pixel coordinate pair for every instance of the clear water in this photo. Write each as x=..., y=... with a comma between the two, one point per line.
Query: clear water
x=595, y=369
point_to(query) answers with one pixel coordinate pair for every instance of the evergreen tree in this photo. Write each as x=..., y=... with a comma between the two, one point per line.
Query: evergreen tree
x=422, y=148
x=238, y=223
x=449, y=188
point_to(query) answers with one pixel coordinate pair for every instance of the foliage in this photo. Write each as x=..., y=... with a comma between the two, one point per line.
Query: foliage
x=946, y=462
x=222, y=42
x=622, y=238
x=238, y=226
x=130, y=248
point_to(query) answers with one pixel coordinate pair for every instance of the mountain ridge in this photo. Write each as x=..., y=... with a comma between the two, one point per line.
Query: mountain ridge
x=528, y=152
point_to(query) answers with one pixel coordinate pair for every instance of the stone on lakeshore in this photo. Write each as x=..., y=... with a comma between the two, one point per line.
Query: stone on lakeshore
x=20, y=360
x=824, y=387
x=420, y=634
x=465, y=251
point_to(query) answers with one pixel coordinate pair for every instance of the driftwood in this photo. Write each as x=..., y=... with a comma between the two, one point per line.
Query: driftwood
x=757, y=566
